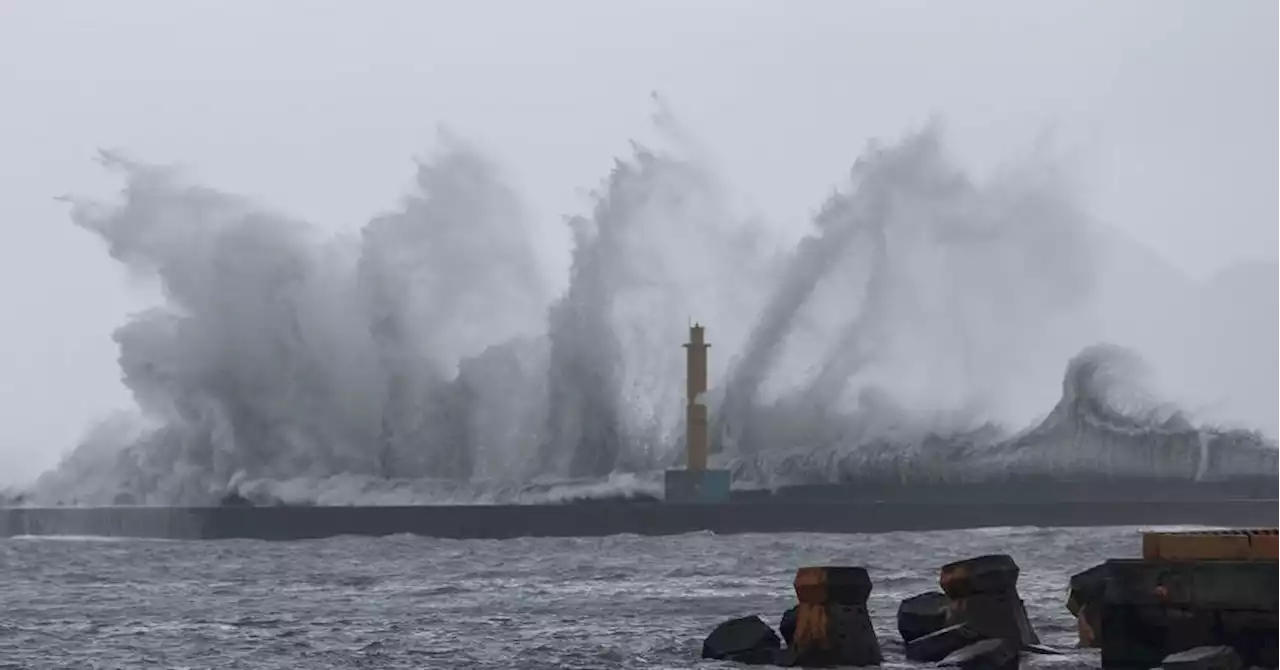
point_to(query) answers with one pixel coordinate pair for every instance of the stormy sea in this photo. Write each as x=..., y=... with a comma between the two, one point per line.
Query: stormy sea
x=927, y=324
x=409, y=602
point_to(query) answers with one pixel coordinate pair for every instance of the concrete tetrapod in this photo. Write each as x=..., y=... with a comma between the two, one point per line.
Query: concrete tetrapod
x=991, y=654
x=745, y=640
x=984, y=596
x=979, y=602
x=1203, y=658
x=941, y=643
x=1084, y=601
x=922, y=614
x=833, y=626
x=787, y=626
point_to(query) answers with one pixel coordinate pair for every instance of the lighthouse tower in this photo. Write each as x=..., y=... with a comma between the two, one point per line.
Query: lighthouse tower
x=696, y=483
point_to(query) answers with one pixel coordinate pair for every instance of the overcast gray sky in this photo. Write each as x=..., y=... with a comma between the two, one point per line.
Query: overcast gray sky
x=1169, y=110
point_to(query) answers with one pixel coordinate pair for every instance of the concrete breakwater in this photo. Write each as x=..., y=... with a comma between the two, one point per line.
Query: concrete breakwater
x=599, y=518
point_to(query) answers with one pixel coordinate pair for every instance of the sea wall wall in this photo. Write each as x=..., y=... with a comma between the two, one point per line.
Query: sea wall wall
x=614, y=517
x=1023, y=489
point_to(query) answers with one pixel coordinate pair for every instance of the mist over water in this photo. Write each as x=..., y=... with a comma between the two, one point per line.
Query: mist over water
x=929, y=323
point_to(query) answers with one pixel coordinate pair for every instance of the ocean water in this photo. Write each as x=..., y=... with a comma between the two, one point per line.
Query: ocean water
x=410, y=602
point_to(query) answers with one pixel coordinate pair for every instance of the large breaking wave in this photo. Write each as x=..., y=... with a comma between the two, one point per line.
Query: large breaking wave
x=424, y=360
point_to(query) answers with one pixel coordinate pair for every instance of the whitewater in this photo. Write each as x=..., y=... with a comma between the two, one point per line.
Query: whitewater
x=919, y=330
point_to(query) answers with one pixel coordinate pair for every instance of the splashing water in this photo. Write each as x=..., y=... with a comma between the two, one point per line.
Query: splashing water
x=423, y=360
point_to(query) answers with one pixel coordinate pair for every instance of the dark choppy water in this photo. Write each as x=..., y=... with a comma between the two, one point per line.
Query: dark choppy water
x=407, y=602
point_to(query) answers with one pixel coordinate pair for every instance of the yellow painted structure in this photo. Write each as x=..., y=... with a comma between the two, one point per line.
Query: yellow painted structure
x=1258, y=544
x=811, y=585
x=812, y=622
x=696, y=435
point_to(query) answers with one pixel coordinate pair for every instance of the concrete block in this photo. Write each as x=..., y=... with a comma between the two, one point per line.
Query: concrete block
x=922, y=614
x=1216, y=584
x=787, y=626
x=941, y=643
x=831, y=634
x=995, y=615
x=1084, y=601
x=1203, y=658
x=1136, y=636
x=832, y=584
x=1258, y=544
x=745, y=636
x=984, y=655
x=995, y=573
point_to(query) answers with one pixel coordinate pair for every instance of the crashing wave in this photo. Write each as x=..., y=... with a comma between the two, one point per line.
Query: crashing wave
x=1103, y=425
x=422, y=361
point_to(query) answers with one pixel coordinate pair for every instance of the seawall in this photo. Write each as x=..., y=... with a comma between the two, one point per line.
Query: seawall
x=615, y=517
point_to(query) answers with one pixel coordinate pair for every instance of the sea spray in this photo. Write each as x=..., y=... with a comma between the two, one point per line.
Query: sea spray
x=280, y=354
x=659, y=249
x=918, y=257
x=422, y=361
x=448, y=275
